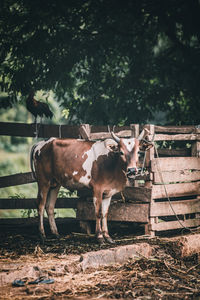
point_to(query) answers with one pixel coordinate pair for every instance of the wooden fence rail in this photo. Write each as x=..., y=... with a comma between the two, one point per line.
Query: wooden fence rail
x=30, y=203
x=16, y=179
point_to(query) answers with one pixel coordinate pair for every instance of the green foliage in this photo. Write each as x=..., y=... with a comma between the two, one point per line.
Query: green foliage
x=66, y=193
x=12, y=163
x=108, y=62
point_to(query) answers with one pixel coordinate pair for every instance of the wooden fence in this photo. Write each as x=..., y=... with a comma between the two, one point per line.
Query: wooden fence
x=167, y=199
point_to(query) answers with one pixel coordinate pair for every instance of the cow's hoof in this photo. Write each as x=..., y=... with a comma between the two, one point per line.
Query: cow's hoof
x=101, y=241
x=56, y=236
x=42, y=239
x=109, y=240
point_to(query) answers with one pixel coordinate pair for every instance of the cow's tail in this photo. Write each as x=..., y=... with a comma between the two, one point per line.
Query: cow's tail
x=32, y=161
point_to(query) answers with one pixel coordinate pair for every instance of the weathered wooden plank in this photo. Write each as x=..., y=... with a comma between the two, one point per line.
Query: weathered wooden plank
x=176, y=176
x=175, y=225
x=103, y=128
x=127, y=212
x=129, y=193
x=135, y=194
x=135, y=128
x=44, y=130
x=18, y=203
x=175, y=163
x=174, y=152
x=175, y=137
x=176, y=190
x=151, y=152
x=180, y=207
x=196, y=149
x=16, y=179
x=106, y=135
x=85, y=131
x=175, y=129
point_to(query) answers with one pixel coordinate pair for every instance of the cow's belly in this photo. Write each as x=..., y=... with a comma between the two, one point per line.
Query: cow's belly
x=72, y=184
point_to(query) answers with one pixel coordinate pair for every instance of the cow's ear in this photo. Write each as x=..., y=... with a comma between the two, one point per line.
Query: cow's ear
x=145, y=145
x=111, y=145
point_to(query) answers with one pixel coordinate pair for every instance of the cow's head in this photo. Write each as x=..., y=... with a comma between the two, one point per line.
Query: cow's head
x=128, y=149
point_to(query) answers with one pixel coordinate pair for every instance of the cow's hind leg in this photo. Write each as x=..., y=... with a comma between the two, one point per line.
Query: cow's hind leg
x=41, y=201
x=105, y=207
x=50, y=205
x=97, y=200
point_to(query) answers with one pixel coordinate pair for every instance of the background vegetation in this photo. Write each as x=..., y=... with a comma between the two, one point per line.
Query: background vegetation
x=106, y=61
x=97, y=62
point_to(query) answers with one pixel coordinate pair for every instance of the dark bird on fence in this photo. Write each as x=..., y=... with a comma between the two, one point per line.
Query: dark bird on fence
x=38, y=108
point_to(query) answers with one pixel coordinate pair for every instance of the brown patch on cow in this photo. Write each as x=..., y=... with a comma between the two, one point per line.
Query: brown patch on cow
x=106, y=172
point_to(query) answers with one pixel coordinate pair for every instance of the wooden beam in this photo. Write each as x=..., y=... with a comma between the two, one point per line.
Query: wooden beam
x=116, y=129
x=180, y=207
x=196, y=149
x=107, y=135
x=175, y=225
x=135, y=128
x=85, y=131
x=151, y=152
x=174, y=152
x=175, y=163
x=44, y=130
x=135, y=194
x=18, y=203
x=16, y=179
x=129, y=193
x=175, y=137
x=176, y=176
x=125, y=212
x=176, y=190
x=175, y=129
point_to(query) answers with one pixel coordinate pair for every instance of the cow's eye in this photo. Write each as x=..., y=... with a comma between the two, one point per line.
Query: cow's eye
x=121, y=153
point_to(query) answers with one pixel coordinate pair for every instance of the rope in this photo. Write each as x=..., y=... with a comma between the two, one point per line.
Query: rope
x=167, y=195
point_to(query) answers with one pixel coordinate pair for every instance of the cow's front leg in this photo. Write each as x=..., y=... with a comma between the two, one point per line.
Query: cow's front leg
x=97, y=200
x=105, y=208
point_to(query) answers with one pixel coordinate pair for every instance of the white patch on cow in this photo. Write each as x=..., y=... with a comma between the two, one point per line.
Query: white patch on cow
x=105, y=206
x=95, y=151
x=74, y=173
x=113, y=191
x=129, y=143
x=40, y=145
x=95, y=201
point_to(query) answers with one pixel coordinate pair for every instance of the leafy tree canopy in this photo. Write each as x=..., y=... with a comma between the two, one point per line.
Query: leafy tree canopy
x=107, y=61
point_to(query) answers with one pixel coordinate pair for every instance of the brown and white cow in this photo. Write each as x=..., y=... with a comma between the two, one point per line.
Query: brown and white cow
x=103, y=166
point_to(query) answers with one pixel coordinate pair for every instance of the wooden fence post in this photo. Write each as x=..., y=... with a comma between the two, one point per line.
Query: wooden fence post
x=148, y=184
x=196, y=152
x=85, y=131
x=196, y=146
x=135, y=130
x=150, y=153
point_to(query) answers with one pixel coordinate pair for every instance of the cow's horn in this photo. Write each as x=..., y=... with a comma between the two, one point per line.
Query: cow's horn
x=116, y=138
x=140, y=137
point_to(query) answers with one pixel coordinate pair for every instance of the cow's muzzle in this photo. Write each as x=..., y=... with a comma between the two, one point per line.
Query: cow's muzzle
x=131, y=172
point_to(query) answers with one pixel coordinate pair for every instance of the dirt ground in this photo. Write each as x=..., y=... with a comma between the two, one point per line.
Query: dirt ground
x=165, y=274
